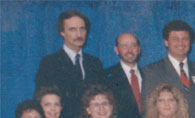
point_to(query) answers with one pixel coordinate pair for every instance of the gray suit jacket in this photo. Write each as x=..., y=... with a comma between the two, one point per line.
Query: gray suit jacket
x=164, y=72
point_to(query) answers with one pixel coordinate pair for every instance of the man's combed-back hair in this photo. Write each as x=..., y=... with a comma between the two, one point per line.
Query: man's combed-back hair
x=68, y=14
x=177, y=25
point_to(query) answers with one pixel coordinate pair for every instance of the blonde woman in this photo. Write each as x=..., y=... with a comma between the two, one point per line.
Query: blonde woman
x=166, y=101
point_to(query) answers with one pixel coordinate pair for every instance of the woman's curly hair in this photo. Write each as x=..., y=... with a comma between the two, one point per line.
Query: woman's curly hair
x=182, y=105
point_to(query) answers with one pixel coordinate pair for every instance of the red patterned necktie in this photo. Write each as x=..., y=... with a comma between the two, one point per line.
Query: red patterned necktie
x=183, y=76
x=135, y=88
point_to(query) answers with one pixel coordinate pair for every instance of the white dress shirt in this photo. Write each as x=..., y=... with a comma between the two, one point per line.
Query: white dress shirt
x=71, y=54
x=176, y=63
x=127, y=69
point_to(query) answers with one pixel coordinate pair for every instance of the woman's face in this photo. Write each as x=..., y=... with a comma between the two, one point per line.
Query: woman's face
x=51, y=105
x=166, y=105
x=99, y=107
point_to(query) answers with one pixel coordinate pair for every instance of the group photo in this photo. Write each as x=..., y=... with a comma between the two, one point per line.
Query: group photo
x=97, y=59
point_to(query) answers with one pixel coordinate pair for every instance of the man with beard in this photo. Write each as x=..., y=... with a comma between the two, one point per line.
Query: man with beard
x=125, y=77
x=70, y=69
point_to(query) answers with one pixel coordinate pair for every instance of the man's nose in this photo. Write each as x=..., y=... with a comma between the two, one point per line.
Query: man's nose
x=130, y=49
x=79, y=33
x=180, y=41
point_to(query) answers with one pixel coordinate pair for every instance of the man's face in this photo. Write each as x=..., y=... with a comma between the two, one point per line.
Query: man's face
x=127, y=49
x=74, y=33
x=178, y=44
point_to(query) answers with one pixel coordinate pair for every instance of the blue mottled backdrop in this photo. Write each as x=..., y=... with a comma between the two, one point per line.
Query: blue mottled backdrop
x=28, y=32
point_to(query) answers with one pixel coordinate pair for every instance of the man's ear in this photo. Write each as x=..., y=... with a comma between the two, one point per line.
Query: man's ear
x=139, y=49
x=62, y=34
x=166, y=42
x=116, y=50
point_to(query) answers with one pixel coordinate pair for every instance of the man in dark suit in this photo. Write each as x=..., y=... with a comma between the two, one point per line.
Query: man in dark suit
x=125, y=77
x=70, y=69
x=175, y=68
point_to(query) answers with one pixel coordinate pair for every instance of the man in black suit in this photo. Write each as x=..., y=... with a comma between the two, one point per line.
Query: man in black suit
x=125, y=77
x=70, y=69
x=178, y=37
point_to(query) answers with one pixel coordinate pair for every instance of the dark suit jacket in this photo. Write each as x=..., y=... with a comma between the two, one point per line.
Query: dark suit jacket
x=126, y=103
x=57, y=69
x=164, y=72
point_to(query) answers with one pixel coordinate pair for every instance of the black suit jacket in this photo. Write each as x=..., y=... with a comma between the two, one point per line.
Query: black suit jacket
x=164, y=72
x=126, y=103
x=57, y=69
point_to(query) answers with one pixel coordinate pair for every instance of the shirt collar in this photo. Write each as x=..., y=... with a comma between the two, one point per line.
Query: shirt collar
x=126, y=67
x=175, y=61
x=72, y=54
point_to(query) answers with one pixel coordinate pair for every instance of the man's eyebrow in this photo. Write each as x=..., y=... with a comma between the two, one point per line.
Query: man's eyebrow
x=72, y=28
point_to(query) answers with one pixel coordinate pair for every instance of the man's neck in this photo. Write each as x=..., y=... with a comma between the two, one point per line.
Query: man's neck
x=75, y=49
x=180, y=59
x=131, y=65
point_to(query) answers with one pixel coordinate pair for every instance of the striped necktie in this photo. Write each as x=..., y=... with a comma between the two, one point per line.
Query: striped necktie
x=183, y=77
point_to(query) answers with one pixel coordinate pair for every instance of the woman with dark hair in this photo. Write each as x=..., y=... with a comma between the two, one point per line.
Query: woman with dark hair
x=29, y=109
x=166, y=101
x=98, y=102
x=50, y=100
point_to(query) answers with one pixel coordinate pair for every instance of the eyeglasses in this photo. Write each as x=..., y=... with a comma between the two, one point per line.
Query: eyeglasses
x=106, y=103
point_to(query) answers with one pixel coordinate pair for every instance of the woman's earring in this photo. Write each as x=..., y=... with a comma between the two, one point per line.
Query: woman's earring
x=89, y=113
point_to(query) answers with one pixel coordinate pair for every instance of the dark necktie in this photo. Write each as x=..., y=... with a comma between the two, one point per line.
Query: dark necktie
x=78, y=67
x=135, y=88
x=184, y=78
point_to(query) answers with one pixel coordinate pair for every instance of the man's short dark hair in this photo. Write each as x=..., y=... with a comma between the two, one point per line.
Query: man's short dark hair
x=28, y=105
x=177, y=25
x=68, y=14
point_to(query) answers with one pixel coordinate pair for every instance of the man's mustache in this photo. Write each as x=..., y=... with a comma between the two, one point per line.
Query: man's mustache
x=79, y=39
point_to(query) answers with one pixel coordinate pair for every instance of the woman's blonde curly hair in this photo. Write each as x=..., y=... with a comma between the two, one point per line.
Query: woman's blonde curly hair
x=182, y=105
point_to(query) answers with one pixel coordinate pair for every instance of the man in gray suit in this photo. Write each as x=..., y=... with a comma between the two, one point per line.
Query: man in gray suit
x=178, y=37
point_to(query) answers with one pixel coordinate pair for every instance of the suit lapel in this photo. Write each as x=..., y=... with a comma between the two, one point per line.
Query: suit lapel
x=122, y=79
x=121, y=76
x=191, y=68
x=124, y=87
x=66, y=67
x=64, y=60
x=171, y=73
x=141, y=73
